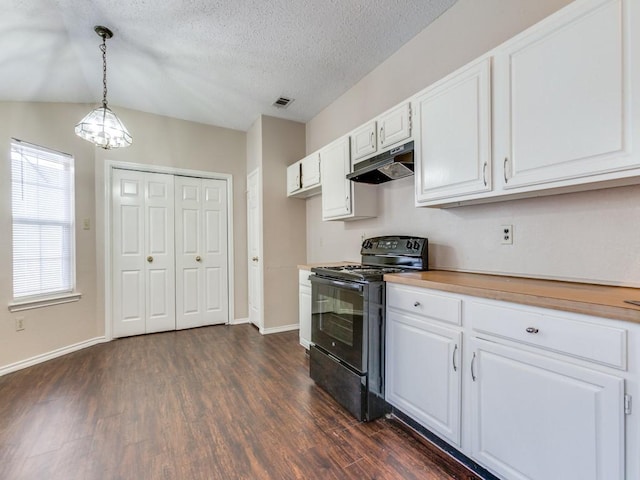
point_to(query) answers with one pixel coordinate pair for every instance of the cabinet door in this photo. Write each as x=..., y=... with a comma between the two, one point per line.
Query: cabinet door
x=335, y=163
x=364, y=141
x=394, y=126
x=422, y=373
x=538, y=418
x=310, y=167
x=293, y=177
x=563, y=98
x=453, y=146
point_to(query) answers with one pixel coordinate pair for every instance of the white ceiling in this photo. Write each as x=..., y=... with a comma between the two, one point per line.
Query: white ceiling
x=220, y=62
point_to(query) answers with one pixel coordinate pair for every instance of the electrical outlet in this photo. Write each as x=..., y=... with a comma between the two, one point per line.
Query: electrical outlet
x=506, y=233
x=19, y=324
x=86, y=224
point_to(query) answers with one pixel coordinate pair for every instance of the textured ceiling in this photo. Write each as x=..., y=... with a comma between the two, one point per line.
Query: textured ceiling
x=220, y=62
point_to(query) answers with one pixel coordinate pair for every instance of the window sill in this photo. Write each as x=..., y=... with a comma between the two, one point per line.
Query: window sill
x=44, y=301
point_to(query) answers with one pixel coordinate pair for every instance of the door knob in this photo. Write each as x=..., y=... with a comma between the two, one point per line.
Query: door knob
x=198, y=258
x=149, y=259
x=255, y=259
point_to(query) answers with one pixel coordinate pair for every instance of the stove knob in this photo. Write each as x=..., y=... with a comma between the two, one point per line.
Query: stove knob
x=409, y=244
x=416, y=245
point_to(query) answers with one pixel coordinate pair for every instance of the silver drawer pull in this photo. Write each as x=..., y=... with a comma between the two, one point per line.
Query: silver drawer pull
x=417, y=304
x=532, y=330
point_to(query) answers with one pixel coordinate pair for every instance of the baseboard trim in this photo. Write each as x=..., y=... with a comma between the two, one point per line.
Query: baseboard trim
x=43, y=357
x=239, y=321
x=284, y=328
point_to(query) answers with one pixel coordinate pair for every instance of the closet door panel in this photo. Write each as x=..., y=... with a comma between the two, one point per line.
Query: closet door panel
x=189, y=285
x=215, y=261
x=129, y=268
x=160, y=251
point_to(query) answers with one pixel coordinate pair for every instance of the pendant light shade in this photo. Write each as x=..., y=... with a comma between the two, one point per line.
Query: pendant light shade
x=101, y=126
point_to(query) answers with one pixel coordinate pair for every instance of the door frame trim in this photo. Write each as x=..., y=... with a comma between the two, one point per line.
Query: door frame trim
x=109, y=166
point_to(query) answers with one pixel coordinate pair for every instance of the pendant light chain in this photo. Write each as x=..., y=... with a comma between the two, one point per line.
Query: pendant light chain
x=103, y=47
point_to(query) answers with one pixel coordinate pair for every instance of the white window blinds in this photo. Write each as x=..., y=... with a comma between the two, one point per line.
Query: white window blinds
x=43, y=221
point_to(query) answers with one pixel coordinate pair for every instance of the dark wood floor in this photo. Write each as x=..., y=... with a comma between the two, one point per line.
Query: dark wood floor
x=210, y=403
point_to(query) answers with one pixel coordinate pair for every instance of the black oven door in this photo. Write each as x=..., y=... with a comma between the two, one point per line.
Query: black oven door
x=337, y=320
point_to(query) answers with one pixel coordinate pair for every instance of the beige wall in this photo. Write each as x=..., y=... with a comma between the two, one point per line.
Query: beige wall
x=591, y=237
x=284, y=234
x=272, y=145
x=49, y=328
x=158, y=141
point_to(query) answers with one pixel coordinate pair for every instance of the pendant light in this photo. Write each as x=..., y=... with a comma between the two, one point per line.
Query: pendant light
x=101, y=126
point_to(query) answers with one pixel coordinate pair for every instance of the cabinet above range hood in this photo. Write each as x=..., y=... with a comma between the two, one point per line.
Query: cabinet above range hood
x=391, y=165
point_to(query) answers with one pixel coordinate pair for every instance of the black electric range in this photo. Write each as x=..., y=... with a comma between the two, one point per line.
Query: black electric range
x=348, y=324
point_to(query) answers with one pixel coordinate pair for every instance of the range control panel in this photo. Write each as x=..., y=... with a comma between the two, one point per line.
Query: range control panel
x=394, y=245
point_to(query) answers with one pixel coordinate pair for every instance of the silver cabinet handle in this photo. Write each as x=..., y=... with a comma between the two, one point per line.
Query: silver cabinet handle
x=198, y=258
x=504, y=167
x=532, y=330
x=416, y=304
x=346, y=202
x=455, y=349
x=373, y=141
x=473, y=361
x=381, y=135
x=484, y=174
x=149, y=259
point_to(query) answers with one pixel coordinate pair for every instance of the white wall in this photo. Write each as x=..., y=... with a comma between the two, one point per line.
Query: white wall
x=588, y=237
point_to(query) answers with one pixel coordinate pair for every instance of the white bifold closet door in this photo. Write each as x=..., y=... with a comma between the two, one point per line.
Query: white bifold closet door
x=202, y=292
x=143, y=264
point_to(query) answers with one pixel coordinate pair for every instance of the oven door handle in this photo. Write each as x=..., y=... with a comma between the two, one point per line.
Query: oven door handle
x=337, y=283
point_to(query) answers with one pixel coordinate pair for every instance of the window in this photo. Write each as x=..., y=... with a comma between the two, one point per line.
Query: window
x=42, y=207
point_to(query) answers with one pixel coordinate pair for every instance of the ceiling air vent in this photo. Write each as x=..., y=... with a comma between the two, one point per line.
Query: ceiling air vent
x=283, y=102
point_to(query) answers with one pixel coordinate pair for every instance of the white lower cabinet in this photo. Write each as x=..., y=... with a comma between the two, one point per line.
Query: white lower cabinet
x=528, y=393
x=539, y=418
x=423, y=374
x=304, y=306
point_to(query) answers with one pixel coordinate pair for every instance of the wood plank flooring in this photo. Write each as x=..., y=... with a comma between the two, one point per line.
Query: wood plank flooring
x=217, y=402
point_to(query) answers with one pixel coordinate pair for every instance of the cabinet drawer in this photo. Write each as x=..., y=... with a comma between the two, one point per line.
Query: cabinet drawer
x=420, y=302
x=551, y=331
x=303, y=278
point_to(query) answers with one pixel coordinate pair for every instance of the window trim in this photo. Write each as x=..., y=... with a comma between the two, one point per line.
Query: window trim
x=28, y=303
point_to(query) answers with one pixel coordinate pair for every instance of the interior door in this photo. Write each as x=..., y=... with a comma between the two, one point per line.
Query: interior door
x=143, y=253
x=201, y=252
x=254, y=242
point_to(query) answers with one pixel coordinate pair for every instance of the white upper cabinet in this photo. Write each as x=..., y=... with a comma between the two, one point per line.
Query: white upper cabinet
x=382, y=133
x=336, y=192
x=293, y=178
x=549, y=111
x=303, y=177
x=453, y=135
x=311, y=171
x=364, y=141
x=394, y=126
x=563, y=96
x=341, y=198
